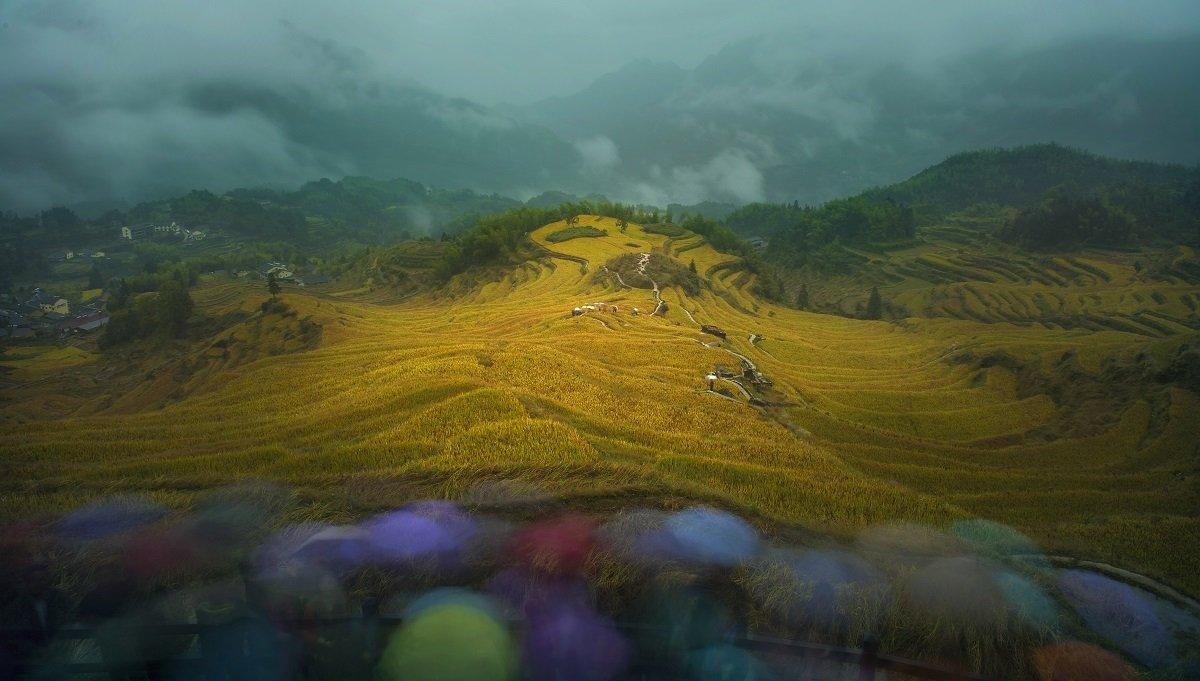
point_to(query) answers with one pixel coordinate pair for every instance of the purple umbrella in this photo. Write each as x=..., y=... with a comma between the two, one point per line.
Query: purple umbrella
x=339, y=546
x=531, y=594
x=402, y=536
x=1120, y=614
x=572, y=642
x=103, y=519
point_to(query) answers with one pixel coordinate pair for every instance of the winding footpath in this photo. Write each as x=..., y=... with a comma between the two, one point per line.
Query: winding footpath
x=645, y=260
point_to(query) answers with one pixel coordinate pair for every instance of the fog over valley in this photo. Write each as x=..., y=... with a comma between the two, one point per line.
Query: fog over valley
x=110, y=102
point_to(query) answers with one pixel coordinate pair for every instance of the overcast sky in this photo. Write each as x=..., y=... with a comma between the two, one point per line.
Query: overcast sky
x=103, y=99
x=518, y=51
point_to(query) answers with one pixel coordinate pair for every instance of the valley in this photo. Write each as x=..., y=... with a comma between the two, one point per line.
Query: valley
x=470, y=392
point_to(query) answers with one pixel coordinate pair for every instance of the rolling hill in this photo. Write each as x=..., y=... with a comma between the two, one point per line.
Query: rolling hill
x=859, y=422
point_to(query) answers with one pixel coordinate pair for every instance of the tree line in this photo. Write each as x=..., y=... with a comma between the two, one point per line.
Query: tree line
x=152, y=303
x=803, y=235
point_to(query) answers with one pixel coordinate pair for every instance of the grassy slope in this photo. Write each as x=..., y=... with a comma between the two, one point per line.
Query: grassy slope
x=957, y=270
x=435, y=395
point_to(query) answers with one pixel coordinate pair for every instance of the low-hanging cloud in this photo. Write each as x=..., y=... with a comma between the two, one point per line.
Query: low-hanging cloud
x=728, y=176
x=127, y=99
x=598, y=153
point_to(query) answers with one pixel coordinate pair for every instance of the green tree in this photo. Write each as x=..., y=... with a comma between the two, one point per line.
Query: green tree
x=95, y=278
x=120, y=296
x=692, y=267
x=802, y=297
x=174, y=307
x=273, y=285
x=874, y=304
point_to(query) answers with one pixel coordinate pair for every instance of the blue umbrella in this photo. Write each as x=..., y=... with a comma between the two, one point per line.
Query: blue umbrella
x=103, y=519
x=711, y=537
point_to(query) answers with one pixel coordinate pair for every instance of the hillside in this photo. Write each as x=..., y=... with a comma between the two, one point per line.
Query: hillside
x=1021, y=176
x=863, y=422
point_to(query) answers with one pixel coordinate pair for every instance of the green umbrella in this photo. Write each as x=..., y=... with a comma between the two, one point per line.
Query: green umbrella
x=448, y=641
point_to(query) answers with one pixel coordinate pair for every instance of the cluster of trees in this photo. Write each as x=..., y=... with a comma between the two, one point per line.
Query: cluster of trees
x=502, y=238
x=23, y=237
x=1118, y=216
x=229, y=212
x=799, y=235
x=377, y=211
x=1064, y=219
x=150, y=304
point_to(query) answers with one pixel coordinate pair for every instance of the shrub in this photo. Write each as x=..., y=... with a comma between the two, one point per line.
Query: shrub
x=574, y=233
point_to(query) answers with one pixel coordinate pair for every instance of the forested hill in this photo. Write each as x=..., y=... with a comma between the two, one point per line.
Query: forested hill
x=1021, y=176
x=1048, y=197
x=320, y=212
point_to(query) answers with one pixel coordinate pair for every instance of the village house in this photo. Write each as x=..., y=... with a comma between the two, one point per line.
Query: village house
x=83, y=323
x=282, y=272
x=48, y=303
x=11, y=318
x=137, y=232
x=312, y=280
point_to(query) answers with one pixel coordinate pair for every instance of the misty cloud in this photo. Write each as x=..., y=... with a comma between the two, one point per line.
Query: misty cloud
x=728, y=176
x=598, y=153
x=127, y=99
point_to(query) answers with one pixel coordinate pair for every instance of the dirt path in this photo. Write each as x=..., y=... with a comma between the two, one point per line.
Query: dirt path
x=689, y=315
x=645, y=260
x=604, y=268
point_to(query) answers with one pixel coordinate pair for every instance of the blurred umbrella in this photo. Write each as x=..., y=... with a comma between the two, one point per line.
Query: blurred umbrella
x=1028, y=601
x=569, y=643
x=1117, y=612
x=1078, y=661
x=403, y=536
x=711, y=537
x=726, y=663
x=450, y=636
x=677, y=620
x=530, y=594
x=959, y=591
x=161, y=550
x=997, y=540
x=818, y=586
x=559, y=546
x=339, y=546
x=106, y=518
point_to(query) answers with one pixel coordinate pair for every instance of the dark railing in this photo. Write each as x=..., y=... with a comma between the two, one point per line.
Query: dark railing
x=210, y=657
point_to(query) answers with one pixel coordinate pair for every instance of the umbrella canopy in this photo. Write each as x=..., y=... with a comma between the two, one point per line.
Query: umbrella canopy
x=104, y=519
x=1078, y=661
x=559, y=546
x=1119, y=613
x=451, y=637
x=573, y=642
x=711, y=537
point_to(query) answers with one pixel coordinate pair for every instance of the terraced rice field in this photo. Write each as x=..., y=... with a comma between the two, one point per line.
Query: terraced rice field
x=961, y=274
x=866, y=422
